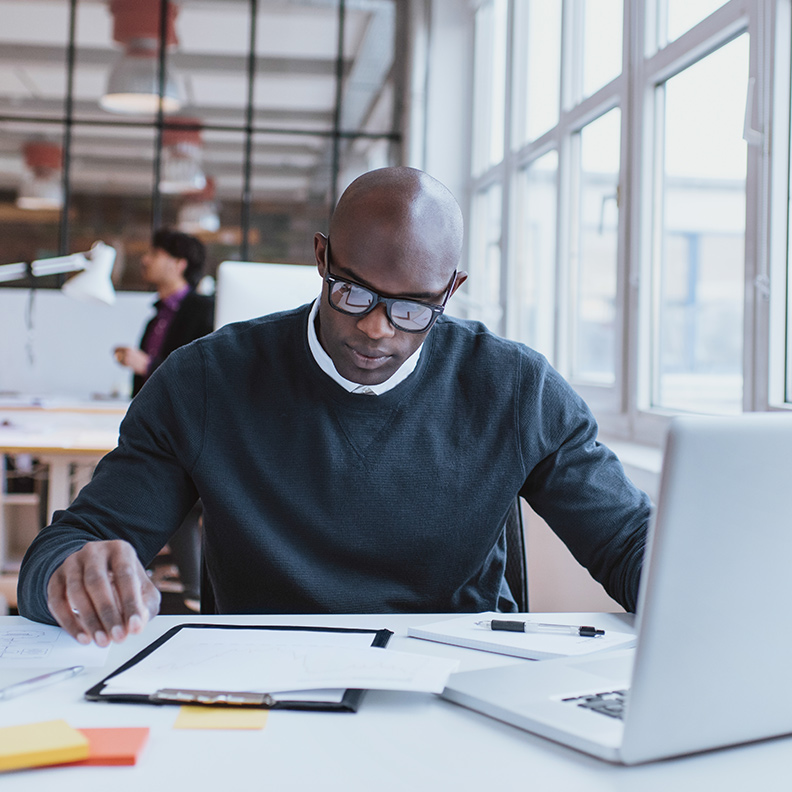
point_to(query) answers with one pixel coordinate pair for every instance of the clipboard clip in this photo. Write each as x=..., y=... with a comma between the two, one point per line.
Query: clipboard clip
x=213, y=698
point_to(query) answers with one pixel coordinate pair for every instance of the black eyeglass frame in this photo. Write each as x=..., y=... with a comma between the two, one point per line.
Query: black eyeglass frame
x=437, y=310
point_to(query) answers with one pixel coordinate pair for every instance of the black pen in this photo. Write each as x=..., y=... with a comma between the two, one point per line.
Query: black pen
x=539, y=627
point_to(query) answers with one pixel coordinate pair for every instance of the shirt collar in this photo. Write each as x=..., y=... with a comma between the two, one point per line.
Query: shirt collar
x=175, y=299
x=326, y=364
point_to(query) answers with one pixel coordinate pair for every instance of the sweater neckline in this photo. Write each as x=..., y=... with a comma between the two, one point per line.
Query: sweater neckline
x=362, y=401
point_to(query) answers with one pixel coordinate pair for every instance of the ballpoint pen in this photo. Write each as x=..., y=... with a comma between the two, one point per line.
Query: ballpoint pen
x=35, y=683
x=540, y=627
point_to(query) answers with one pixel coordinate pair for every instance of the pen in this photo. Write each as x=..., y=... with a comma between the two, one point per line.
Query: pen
x=538, y=627
x=35, y=683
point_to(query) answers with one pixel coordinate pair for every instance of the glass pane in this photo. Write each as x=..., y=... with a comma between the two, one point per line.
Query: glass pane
x=699, y=325
x=788, y=391
x=369, y=88
x=540, y=60
x=112, y=178
x=29, y=230
x=682, y=15
x=489, y=90
x=213, y=214
x=33, y=42
x=535, y=259
x=291, y=187
x=210, y=60
x=117, y=61
x=359, y=155
x=594, y=266
x=481, y=296
x=602, y=43
x=295, y=86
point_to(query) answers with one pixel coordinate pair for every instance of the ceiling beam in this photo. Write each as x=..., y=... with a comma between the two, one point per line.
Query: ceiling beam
x=220, y=116
x=15, y=54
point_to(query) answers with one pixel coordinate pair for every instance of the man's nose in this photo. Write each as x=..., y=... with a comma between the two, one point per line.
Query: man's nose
x=376, y=324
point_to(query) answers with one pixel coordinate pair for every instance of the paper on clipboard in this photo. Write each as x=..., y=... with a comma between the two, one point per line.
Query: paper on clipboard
x=273, y=661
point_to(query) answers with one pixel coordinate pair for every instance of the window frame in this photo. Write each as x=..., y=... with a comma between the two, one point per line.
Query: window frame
x=623, y=410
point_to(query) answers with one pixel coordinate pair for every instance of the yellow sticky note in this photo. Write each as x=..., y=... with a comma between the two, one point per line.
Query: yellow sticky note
x=220, y=718
x=38, y=744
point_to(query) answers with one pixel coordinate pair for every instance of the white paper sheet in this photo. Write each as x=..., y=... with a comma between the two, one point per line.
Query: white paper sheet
x=33, y=645
x=462, y=631
x=270, y=661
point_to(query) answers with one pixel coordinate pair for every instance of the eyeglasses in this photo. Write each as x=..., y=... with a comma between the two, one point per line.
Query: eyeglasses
x=411, y=316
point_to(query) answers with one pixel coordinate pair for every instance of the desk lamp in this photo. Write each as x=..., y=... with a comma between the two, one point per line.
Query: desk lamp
x=92, y=283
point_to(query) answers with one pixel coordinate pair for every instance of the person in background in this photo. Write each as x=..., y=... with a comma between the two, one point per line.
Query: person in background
x=173, y=266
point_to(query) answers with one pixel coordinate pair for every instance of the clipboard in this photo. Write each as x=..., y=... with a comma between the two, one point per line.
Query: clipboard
x=349, y=702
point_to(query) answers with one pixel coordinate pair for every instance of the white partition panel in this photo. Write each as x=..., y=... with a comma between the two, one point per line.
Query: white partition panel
x=55, y=346
x=247, y=289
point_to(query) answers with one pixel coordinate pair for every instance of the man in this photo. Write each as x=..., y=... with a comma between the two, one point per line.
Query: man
x=357, y=455
x=173, y=266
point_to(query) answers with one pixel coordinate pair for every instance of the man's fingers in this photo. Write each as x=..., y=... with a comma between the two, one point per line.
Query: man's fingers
x=65, y=614
x=90, y=588
x=137, y=595
x=102, y=593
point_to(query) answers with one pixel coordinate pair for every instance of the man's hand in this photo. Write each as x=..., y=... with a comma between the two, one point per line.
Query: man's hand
x=132, y=358
x=102, y=593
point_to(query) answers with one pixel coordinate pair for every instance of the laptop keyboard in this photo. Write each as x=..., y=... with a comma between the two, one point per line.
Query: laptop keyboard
x=610, y=703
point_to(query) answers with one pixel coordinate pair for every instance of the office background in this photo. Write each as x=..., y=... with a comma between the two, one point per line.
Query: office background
x=623, y=168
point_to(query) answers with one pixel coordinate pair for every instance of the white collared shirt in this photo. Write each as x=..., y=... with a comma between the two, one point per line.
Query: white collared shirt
x=326, y=364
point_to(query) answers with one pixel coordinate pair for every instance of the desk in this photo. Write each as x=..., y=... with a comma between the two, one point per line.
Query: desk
x=69, y=437
x=397, y=741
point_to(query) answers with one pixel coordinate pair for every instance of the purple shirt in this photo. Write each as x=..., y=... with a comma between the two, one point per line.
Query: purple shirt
x=166, y=310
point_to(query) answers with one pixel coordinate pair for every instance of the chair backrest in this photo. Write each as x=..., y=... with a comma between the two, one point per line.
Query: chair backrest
x=516, y=566
x=208, y=605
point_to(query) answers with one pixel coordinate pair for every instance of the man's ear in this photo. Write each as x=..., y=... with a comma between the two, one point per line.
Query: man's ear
x=320, y=246
x=460, y=279
x=181, y=266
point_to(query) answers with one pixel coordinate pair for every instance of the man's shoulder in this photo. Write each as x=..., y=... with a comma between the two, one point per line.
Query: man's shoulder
x=468, y=337
x=241, y=346
x=263, y=330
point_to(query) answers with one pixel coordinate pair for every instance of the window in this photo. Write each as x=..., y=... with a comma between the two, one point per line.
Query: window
x=701, y=252
x=533, y=294
x=268, y=111
x=538, y=63
x=593, y=256
x=490, y=87
x=644, y=241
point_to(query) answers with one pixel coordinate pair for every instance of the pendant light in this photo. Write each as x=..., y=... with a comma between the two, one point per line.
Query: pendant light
x=134, y=81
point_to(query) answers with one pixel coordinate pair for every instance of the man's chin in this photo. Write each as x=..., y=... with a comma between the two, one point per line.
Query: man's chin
x=369, y=375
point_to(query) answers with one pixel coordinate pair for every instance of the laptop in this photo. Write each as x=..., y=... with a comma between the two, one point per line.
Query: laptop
x=713, y=659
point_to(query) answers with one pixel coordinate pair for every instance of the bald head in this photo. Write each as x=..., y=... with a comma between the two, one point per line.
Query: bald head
x=397, y=233
x=415, y=215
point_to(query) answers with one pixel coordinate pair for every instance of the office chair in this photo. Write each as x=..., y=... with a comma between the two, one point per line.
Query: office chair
x=516, y=568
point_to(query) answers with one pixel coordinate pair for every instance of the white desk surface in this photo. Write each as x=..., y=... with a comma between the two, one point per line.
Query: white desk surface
x=58, y=427
x=67, y=435
x=396, y=741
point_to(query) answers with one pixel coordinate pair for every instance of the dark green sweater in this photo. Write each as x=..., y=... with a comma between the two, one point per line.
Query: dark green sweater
x=319, y=501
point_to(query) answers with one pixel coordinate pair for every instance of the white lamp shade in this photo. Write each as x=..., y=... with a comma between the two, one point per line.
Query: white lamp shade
x=133, y=86
x=94, y=282
x=195, y=217
x=181, y=169
x=40, y=190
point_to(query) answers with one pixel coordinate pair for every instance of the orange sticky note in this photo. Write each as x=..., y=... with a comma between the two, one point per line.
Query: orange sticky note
x=114, y=746
x=38, y=744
